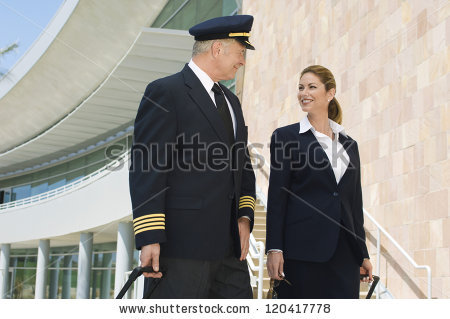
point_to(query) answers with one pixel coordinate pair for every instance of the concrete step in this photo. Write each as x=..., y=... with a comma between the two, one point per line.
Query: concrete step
x=259, y=233
x=259, y=225
x=260, y=213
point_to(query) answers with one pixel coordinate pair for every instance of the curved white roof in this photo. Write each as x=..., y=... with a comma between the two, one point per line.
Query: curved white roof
x=89, y=81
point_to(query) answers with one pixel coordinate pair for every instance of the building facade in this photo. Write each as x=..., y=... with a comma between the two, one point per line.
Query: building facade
x=66, y=120
x=67, y=111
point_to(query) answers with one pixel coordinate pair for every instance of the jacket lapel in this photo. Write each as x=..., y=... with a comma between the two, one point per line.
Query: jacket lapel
x=352, y=165
x=203, y=101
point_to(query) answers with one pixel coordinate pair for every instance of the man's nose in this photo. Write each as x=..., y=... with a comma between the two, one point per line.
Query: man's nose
x=243, y=60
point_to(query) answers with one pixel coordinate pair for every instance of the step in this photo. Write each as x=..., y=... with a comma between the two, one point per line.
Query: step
x=259, y=233
x=261, y=213
x=259, y=225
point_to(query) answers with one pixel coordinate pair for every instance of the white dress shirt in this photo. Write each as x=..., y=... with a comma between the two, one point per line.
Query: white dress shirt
x=331, y=147
x=208, y=84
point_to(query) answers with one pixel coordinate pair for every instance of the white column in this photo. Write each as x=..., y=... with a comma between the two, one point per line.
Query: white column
x=67, y=277
x=42, y=268
x=84, y=265
x=124, y=255
x=4, y=269
x=54, y=276
x=106, y=277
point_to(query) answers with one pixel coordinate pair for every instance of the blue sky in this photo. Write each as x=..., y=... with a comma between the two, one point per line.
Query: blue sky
x=23, y=21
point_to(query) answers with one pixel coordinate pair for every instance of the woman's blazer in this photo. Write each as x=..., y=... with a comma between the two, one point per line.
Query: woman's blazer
x=306, y=206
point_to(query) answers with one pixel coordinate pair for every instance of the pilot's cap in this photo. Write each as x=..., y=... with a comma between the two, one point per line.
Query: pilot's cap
x=230, y=27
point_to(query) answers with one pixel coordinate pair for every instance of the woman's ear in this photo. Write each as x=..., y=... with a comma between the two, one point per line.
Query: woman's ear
x=331, y=93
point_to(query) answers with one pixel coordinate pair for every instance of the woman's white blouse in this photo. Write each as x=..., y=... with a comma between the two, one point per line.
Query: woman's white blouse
x=336, y=153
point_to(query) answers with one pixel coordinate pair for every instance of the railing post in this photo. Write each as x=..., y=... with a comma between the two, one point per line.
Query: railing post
x=429, y=281
x=261, y=270
x=378, y=260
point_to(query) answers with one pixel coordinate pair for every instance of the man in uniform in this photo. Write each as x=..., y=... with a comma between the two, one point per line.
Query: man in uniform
x=191, y=181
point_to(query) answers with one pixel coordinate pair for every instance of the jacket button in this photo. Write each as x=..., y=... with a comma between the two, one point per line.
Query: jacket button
x=335, y=194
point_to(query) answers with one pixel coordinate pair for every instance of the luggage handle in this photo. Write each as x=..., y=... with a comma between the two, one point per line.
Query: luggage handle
x=138, y=271
x=375, y=281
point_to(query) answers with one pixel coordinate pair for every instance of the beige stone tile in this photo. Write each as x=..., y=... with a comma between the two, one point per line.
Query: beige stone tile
x=447, y=32
x=412, y=86
x=408, y=159
x=411, y=35
x=406, y=12
x=437, y=204
x=438, y=36
x=384, y=144
x=420, y=51
x=422, y=24
x=437, y=173
x=414, y=238
x=439, y=65
x=397, y=163
x=408, y=217
x=445, y=171
x=446, y=231
x=436, y=235
x=418, y=155
x=436, y=288
x=408, y=189
x=430, y=150
x=424, y=235
x=446, y=287
x=442, y=146
x=422, y=181
x=420, y=212
x=430, y=123
x=442, y=262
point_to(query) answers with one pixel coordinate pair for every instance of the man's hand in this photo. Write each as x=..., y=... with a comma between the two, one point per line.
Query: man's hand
x=275, y=263
x=244, y=235
x=366, y=269
x=150, y=257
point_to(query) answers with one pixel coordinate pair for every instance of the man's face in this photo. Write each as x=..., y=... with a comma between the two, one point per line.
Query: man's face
x=231, y=58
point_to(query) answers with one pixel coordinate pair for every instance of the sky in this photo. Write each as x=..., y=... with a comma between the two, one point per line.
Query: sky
x=23, y=21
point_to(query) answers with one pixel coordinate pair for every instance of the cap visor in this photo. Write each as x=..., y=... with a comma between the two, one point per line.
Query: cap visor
x=246, y=43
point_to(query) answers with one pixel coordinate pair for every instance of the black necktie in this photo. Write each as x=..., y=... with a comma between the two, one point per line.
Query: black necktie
x=224, y=112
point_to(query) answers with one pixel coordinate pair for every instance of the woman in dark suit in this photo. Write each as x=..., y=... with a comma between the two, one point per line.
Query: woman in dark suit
x=315, y=234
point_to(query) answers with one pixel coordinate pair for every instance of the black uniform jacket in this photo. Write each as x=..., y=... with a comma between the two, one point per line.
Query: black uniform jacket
x=184, y=193
x=306, y=206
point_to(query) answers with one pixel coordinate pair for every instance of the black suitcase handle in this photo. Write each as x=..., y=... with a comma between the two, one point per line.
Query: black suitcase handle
x=138, y=271
x=375, y=281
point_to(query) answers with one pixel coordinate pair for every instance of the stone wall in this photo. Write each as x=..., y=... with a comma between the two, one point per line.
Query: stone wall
x=390, y=59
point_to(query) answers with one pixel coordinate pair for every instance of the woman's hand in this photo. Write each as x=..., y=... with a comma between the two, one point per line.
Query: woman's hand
x=275, y=263
x=366, y=269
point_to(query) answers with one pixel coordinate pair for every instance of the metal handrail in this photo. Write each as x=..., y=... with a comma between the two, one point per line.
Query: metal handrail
x=379, y=229
x=62, y=190
x=256, y=250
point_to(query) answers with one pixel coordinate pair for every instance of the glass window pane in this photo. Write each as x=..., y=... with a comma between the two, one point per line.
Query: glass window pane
x=21, y=192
